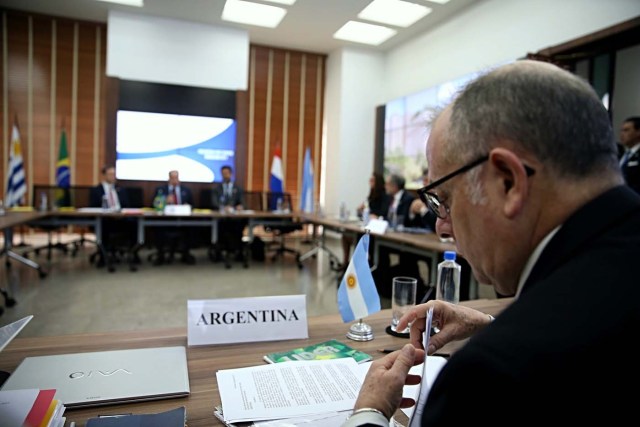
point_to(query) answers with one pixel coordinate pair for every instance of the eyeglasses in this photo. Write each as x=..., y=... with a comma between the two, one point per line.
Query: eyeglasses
x=431, y=199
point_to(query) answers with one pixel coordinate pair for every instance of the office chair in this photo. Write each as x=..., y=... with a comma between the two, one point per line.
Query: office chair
x=279, y=232
x=56, y=198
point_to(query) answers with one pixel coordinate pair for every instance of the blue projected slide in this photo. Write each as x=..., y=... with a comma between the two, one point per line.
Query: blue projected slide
x=149, y=145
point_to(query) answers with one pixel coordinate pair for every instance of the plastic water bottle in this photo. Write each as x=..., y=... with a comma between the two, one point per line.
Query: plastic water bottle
x=365, y=213
x=448, y=284
x=343, y=212
x=44, y=203
x=105, y=203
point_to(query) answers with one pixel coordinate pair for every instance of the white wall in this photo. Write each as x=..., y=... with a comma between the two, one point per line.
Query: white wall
x=353, y=90
x=161, y=50
x=487, y=33
x=495, y=31
x=626, y=93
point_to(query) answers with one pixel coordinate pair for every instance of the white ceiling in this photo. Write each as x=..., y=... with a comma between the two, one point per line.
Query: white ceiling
x=309, y=24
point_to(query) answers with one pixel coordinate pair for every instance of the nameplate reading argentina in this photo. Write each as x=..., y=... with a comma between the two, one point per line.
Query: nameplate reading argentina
x=235, y=320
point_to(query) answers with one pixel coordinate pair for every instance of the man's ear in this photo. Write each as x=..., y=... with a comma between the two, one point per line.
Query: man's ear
x=511, y=176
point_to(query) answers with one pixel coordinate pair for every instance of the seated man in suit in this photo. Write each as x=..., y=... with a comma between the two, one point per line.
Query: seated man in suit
x=397, y=215
x=228, y=197
x=108, y=195
x=630, y=161
x=175, y=194
x=419, y=215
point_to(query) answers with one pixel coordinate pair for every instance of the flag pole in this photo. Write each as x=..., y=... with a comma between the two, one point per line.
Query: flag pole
x=361, y=331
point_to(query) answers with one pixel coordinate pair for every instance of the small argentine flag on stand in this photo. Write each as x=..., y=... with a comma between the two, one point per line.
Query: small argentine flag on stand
x=357, y=294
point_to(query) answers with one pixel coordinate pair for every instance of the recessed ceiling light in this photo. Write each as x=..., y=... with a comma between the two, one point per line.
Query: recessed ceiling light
x=287, y=2
x=394, y=12
x=360, y=32
x=245, y=12
x=439, y=1
x=137, y=3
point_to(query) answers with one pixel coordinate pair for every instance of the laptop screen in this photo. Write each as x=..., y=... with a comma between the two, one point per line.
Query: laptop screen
x=9, y=332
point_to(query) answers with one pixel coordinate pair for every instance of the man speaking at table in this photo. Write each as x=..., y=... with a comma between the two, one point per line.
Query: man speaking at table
x=524, y=176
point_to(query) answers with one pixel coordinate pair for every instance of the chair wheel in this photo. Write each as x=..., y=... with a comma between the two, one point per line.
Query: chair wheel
x=111, y=269
x=10, y=302
x=42, y=274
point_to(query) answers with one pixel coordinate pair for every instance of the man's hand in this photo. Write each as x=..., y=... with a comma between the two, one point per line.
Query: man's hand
x=382, y=388
x=455, y=322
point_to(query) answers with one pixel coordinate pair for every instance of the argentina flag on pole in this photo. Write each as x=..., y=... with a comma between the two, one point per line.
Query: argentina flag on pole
x=357, y=295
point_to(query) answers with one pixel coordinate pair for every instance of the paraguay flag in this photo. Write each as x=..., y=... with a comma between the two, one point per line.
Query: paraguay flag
x=16, y=184
x=306, y=199
x=357, y=294
x=277, y=177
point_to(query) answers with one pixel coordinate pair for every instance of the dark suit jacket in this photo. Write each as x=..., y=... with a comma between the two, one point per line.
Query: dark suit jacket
x=185, y=194
x=218, y=197
x=402, y=211
x=560, y=354
x=96, y=193
x=631, y=171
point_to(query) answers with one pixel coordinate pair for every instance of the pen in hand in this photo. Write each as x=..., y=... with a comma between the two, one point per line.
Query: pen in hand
x=391, y=350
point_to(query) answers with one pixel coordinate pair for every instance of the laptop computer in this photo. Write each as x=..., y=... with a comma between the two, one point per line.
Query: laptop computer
x=106, y=377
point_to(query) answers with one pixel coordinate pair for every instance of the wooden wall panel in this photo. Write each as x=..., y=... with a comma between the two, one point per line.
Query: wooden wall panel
x=41, y=161
x=50, y=81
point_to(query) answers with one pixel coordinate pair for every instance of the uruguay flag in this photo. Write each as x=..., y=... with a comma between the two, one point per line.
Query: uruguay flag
x=357, y=295
x=306, y=199
x=277, y=177
x=16, y=183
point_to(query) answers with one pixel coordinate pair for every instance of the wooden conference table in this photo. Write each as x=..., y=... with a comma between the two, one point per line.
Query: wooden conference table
x=204, y=361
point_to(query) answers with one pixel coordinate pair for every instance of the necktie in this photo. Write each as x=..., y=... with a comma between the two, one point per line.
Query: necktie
x=625, y=159
x=112, y=199
x=176, y=195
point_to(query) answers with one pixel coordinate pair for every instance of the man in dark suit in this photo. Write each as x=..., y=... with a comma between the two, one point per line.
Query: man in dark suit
x=176, y=239
x=398, y=216
x=228, y=197
x=115, y=232
x=630, y=161
x=525, y=177
x=107, y=194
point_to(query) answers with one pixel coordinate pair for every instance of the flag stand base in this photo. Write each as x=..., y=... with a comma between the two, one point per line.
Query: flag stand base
x=360, y=332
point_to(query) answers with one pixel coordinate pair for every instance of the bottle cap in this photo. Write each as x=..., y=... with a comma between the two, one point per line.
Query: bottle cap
x=449, y=255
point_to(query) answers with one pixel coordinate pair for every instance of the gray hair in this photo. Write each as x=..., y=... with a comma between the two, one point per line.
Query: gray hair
x=548, y=112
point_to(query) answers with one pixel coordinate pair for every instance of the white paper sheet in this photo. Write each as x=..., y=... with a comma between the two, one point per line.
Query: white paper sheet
x=289, y=389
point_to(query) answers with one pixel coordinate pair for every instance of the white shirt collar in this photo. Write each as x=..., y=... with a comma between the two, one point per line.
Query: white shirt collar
x=533, y=259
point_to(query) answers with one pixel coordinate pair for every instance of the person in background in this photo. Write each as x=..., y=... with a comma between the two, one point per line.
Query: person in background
x=228, y=197
x=116, y=233
x=176, y=239
x=525, y=177
x=630, y=161
x=399, y=201
x=420, y=215
x=378, y=203
x=114, y=197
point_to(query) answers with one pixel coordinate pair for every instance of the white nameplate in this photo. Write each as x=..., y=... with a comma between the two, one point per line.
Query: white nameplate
x=177, y=210
x=377, y=226
x=252, y=319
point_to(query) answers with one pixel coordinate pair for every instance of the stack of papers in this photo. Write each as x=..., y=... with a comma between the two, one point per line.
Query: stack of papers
x=31, y=408
x=290, y=389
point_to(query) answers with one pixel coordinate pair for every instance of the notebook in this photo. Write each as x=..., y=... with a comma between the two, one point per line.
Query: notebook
x=9, y=332
x=106, y=377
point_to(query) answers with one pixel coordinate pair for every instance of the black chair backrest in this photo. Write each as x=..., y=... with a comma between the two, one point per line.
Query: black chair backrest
x=135, y=197
x=206, y=199
x=253, y=200
x=273, y=197
x=76, y=196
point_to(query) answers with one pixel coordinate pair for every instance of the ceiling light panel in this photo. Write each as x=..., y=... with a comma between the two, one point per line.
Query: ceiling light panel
x=438, y=1
x=245, y=12
x=137, y=3
x=287, y=2
x=360, y=32
x=394, y=12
